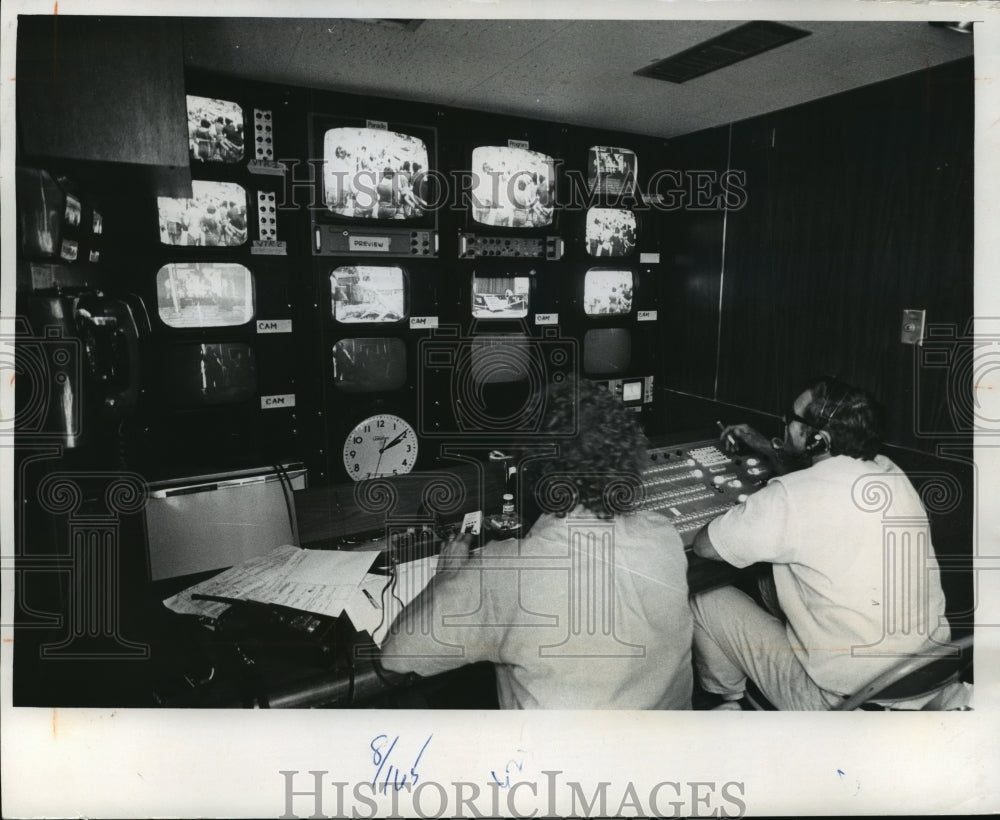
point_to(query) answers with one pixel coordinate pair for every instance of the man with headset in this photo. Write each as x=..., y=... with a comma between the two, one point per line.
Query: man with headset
x=853, y=602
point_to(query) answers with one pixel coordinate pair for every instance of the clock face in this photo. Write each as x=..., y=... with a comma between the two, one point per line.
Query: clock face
x=382, y=445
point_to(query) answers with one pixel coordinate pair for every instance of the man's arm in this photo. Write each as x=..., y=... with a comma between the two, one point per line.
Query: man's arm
x=703, y=546
x=781, y=460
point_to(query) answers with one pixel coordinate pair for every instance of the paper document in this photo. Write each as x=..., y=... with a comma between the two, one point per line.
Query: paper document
x=320, y=581
x=374, y=613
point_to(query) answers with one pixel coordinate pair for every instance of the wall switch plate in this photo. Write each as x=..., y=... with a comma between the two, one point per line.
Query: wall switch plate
x=913, y=327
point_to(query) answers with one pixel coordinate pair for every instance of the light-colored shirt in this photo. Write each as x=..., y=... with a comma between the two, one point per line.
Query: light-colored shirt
x=580, y=614
x=854, y=566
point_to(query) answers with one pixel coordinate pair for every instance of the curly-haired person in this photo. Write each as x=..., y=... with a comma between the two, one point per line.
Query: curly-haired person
x=590, y=609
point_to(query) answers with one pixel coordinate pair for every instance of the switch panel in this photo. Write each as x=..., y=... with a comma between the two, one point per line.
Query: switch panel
x=913, y=327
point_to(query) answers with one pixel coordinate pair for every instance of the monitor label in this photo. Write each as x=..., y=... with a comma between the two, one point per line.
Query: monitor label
x=649, y=258
x=269, y=247
x=267, y=167
x=647, y=316
x=380, y=125
x=274, y=325
x=277, y=402
x=370, y=244
x=546, y=318
x=518, y=144
x=423, y=322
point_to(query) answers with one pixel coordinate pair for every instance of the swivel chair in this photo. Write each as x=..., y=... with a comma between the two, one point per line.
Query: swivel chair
x=938, y=678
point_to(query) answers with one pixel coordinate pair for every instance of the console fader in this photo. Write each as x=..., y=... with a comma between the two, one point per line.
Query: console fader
x=693, y=483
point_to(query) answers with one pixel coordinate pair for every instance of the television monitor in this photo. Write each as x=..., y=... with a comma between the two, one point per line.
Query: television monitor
x=371, y=173
x=501, y=386
x=204, y=294
x=41, y=211
x=500, y=297
x=216, y=216
x=607, y=351
x=210, y=373
x=369, y=365
x=632, y=390
x=512, y=187
x=611, y=170
x=215, y=130
x=607, y=291
x=610, y=232
x=368, y=293
x=501, y=359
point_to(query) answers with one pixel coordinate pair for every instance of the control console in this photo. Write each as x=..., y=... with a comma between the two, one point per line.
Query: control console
x=693, y=483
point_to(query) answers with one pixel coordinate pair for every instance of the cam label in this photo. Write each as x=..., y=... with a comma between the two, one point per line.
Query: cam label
x=274, y=325
x=277, y=402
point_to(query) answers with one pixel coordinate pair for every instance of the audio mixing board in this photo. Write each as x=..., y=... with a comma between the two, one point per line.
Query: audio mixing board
x=693, y=483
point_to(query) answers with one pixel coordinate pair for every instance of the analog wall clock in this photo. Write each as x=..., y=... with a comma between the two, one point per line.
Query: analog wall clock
x=380, y=445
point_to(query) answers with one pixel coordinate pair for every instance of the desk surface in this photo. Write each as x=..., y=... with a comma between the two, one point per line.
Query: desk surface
x=348, y=673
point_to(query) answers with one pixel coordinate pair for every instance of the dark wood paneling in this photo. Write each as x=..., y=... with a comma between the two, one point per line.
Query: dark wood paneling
x=858, y=207
x=102, y=88
x=691, y=271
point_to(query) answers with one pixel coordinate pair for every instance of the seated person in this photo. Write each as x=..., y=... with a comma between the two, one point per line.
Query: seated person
x=851, y=609
x=518, y=603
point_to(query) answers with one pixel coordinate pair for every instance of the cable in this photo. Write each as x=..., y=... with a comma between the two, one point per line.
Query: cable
x=287, y=491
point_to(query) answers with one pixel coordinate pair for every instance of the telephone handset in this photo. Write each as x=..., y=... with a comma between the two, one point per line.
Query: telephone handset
x=109, y=337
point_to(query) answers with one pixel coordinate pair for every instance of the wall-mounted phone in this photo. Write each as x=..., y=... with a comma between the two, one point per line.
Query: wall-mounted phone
x=107, y=330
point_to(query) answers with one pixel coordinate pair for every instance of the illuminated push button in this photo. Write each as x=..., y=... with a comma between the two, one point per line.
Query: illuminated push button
x=753, y=462
x=735, y=483
x=698, y=473
x=742, y=497
x=719, y=479
x=755, y=471
x=690, y=462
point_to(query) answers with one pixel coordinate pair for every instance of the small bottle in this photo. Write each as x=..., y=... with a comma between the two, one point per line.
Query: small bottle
x=507, y=509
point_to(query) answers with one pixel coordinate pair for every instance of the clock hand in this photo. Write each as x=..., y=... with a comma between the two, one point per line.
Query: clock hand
x=394, y=442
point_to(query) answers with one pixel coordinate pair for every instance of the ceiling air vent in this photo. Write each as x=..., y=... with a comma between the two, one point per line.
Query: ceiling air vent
x=738, y=44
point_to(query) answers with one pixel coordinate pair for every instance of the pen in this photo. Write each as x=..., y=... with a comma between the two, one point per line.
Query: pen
x=371, y=600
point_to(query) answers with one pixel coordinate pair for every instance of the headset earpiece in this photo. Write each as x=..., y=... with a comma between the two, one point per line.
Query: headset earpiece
x=817, y=445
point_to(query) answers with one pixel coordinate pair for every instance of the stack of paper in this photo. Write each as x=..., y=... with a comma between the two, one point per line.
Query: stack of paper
x=320, y=581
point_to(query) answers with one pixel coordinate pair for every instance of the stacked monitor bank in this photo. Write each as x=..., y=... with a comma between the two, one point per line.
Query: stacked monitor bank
x=444, y=292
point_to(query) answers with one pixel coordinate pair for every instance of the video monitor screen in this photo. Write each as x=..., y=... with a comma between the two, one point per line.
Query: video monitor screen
x=369, y=173
x=610, y=232
x=513, y=187
x=607, y=292
x=368, y=293
x=204, y=294
x=632, y=391
x=215, y=130
x=607, y=351
x=501, y=359
x=369, y=365
x=500, y=297
x=611, y=170
x=216, y=216
x=198, y=375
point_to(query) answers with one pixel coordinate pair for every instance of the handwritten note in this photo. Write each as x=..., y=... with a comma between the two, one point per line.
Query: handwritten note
x=513, y=767
x=394, y=767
